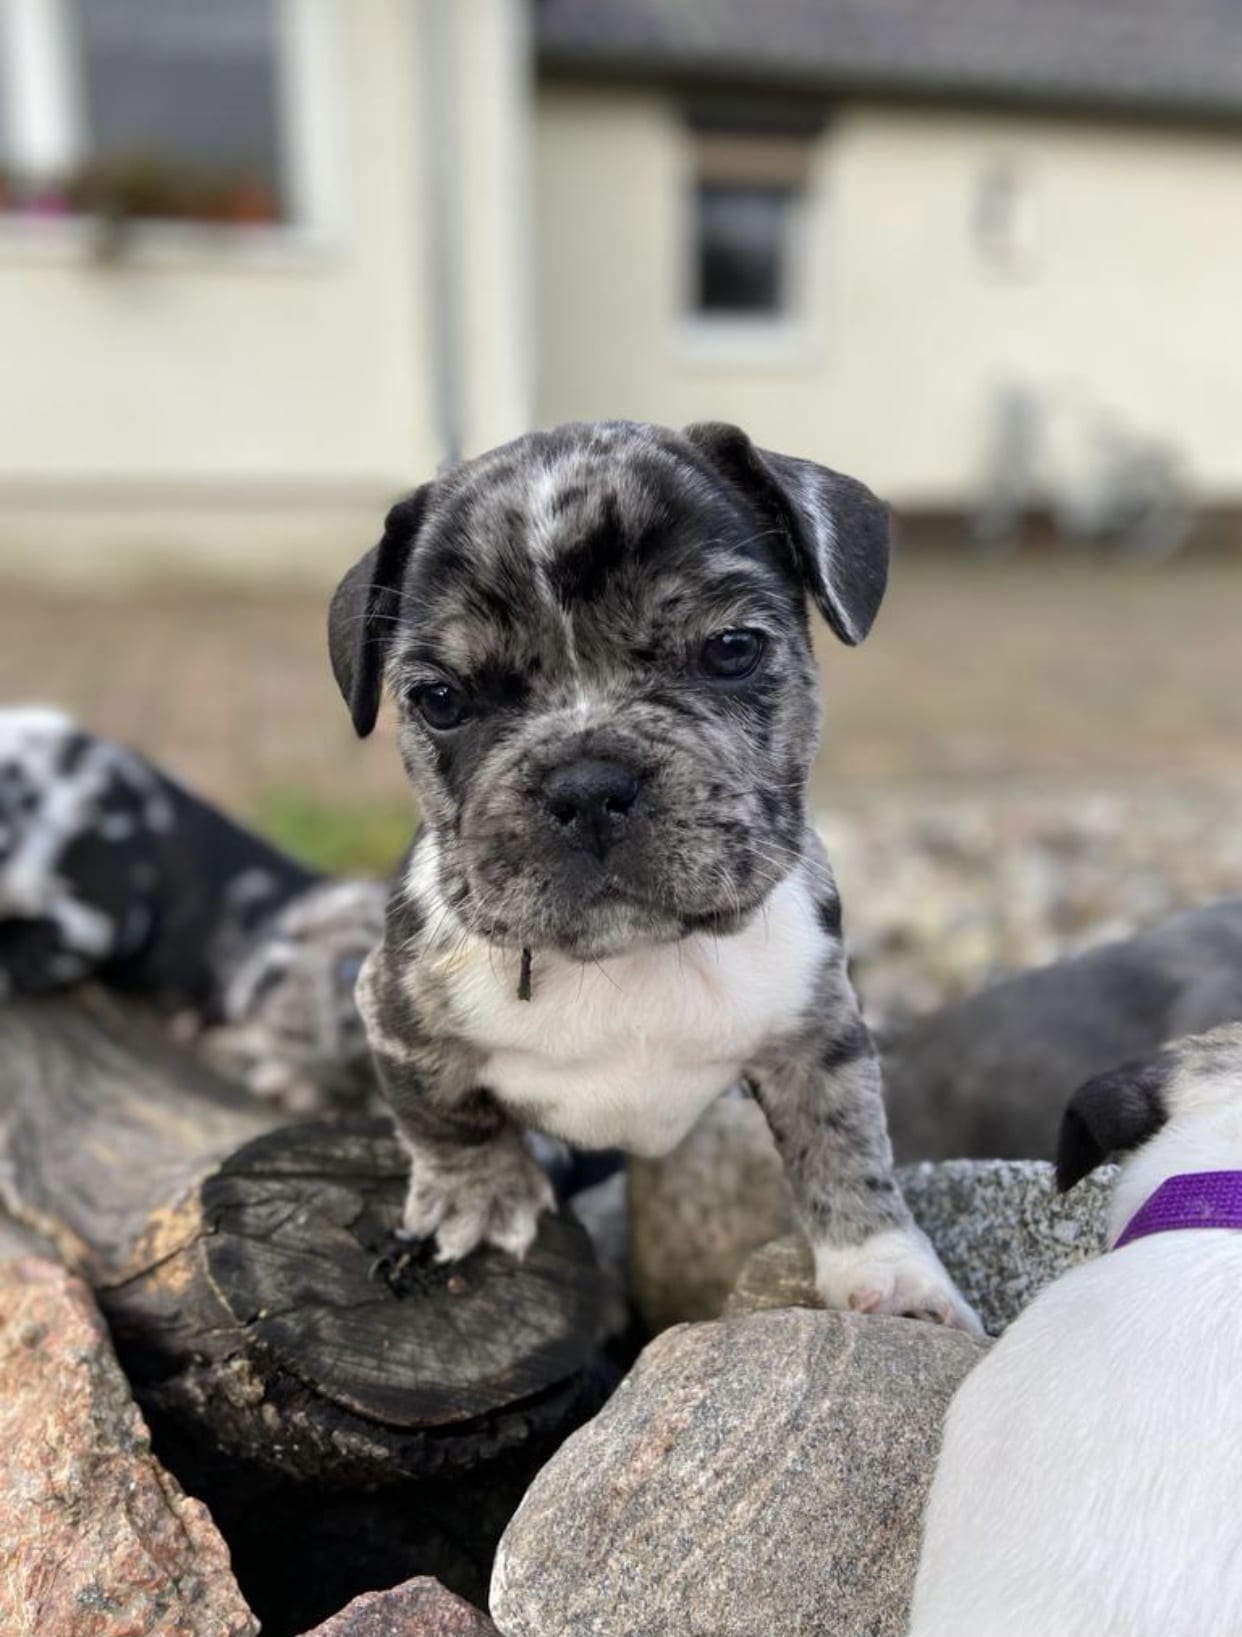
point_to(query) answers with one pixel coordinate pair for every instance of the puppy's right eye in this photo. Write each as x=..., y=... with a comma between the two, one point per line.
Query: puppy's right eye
x=441, y=705
x=731, y=655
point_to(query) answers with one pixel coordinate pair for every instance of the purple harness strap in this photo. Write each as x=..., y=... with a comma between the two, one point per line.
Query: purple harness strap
x=1197, y=1199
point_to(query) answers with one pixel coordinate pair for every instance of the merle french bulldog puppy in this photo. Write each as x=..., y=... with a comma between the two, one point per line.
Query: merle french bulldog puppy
x=598, y=644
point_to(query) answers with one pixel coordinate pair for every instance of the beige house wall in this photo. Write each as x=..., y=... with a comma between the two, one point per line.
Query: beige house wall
x=1125, y=300
x=490, y=209
x=252, y=405
x=254, y=402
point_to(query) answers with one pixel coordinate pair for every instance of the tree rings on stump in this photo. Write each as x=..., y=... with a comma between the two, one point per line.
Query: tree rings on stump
x=298, y=1227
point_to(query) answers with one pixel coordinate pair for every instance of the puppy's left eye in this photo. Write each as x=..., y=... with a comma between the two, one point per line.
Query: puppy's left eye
x=441, y=705
x=731, y=654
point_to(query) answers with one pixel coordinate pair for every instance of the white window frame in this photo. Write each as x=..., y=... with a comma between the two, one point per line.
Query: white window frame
x=44, y=103
x=46, y=135
x=750, y=341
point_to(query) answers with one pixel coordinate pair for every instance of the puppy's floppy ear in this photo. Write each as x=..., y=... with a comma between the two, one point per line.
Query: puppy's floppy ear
x=363, y=613
x=839, y=530
x=1112, y=1114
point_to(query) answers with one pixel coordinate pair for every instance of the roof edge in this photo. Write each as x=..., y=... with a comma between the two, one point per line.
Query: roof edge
x=690, y=74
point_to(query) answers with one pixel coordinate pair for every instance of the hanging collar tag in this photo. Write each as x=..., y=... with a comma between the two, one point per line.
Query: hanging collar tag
x=523, y=992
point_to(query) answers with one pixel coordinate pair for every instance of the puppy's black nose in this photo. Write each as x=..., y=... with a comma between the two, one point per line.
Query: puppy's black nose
x=592, y=799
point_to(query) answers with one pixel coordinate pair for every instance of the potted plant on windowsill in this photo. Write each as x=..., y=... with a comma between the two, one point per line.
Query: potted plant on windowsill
x=252, y=202
x=119, y=192
x=137, y=188
x=233, y=198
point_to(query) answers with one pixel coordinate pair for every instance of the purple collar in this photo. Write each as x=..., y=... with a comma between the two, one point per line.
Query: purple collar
x=1197, y=1199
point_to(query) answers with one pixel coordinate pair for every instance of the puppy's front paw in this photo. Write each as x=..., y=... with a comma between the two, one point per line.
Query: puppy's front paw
x=490, y=1195
x=896, y=1272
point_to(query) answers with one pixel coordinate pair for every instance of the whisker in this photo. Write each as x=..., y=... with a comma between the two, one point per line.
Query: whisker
x=596, y=962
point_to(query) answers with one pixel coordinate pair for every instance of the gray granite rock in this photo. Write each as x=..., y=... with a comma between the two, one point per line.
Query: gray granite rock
x=757, y=1475
x=1002, y=1230
x=697, y=1214
x=1000, y=1227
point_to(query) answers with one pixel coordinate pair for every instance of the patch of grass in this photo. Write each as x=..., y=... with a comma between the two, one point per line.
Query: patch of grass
x=340, y=838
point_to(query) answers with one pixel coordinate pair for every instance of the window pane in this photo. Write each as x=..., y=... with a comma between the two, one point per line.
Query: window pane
x=183, y=85
x=742, y=247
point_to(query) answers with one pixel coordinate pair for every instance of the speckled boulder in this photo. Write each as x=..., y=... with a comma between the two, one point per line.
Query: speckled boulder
x=755, y=1475
x=418, y=1608
x=1000, y=1227
x=99, y=1541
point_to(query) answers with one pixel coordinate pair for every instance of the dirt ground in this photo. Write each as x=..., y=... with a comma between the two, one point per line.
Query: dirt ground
x=1047, y=671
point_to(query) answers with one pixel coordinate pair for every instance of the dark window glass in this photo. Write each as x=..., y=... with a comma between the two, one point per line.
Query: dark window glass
x=743, y=233
x=186, y=86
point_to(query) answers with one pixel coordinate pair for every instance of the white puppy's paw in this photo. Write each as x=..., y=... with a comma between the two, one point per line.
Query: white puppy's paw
x=897, y=1272
x=492, y=1195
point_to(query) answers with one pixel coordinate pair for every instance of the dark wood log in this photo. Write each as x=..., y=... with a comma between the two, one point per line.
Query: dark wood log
x=16, y=1240
x=106, y=1125
x=346, y=1417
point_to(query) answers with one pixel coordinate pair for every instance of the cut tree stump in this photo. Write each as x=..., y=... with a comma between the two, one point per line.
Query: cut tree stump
x=351, y=1420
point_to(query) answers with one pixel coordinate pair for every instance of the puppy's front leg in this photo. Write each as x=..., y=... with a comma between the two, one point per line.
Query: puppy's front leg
x=472, y=1179
x=821, y=1092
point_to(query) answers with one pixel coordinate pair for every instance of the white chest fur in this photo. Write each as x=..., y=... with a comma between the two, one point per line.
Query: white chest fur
x=628, y=1052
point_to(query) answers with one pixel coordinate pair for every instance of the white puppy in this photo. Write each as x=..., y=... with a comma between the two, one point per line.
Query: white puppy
x=1089, y=1480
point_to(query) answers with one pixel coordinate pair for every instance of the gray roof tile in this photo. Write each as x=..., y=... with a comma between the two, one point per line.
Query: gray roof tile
x=1170, y=55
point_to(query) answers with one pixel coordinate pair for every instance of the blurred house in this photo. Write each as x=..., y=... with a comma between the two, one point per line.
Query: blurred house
x=263, y=265
x=266, y=263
